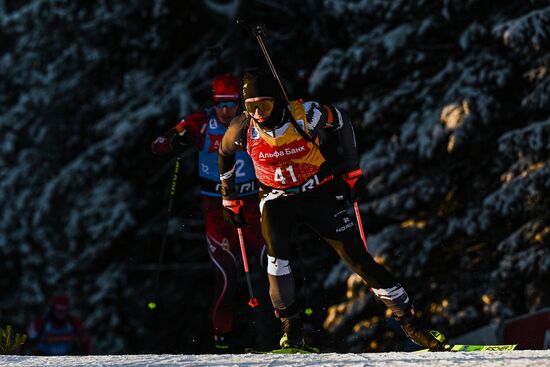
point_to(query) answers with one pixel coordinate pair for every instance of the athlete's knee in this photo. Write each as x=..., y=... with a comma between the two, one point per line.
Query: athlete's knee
x=278, y=267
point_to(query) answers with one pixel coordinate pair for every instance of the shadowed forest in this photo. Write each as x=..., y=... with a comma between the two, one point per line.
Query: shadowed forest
x=450, y=101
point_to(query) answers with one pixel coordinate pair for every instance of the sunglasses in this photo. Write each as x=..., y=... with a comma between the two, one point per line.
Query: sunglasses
x=262, y=105
x=228, y=104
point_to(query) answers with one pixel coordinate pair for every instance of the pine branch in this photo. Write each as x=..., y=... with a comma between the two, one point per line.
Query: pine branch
x=7, y=345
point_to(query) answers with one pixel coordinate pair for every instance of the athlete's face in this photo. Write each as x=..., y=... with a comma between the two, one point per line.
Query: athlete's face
x=226, y=110
x=60, y=314
x=260, y=108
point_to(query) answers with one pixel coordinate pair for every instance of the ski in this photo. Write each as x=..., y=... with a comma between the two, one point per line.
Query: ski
x=309, y=350
x=448, y=348
x=473, y=348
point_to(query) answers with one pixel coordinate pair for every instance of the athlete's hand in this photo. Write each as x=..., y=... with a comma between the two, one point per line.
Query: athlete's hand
x=354, y=185
x=171, y=141
x=163, y=144
x=233, y=212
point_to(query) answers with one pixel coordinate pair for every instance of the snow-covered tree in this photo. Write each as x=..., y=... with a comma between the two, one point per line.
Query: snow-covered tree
x=451, y=105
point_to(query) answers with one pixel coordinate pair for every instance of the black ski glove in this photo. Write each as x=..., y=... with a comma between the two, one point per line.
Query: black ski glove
x=354, y=185
x=233, y=212
x=179, y=143
x=170, y=142
x=162, y=144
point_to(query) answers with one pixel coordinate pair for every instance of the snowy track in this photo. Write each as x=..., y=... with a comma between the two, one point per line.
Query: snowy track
x=473, y=359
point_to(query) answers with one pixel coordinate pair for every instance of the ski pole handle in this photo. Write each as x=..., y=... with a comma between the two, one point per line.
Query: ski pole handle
x=253, y=302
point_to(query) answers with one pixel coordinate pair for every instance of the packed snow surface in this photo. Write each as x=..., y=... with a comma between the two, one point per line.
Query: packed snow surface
x=475, y=359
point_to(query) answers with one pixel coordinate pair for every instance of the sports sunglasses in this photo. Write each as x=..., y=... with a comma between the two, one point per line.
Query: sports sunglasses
x=228, y=104
x=262, y=105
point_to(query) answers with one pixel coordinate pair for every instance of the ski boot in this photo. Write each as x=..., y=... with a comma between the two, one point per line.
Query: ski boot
x=221, y=344
x=293, y=338
x=433, y=340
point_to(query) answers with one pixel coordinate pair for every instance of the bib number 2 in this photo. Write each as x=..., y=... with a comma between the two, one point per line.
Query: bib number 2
x=280, y=177
x=239, y=168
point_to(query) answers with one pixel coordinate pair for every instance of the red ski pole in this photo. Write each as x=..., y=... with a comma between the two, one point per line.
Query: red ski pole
x=360, y=225
x=253, y=302
x=351, y=179
x=361, y=230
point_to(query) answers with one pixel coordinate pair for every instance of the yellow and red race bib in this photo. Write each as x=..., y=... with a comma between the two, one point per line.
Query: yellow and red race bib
x=287, y=160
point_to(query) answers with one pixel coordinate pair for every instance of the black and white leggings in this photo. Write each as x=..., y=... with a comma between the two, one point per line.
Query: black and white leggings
x=326, y=215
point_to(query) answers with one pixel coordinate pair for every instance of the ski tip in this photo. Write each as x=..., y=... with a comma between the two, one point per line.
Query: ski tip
x=473, y=348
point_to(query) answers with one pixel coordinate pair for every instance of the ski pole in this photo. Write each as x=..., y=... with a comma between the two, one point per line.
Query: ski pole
x=351, y=179
x=152, y=303
x=258, y=32
x=253, y=302
x=360, y=224
x=361, y=230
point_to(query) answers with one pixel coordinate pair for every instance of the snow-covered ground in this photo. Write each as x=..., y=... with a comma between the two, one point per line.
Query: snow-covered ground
x=474, y=359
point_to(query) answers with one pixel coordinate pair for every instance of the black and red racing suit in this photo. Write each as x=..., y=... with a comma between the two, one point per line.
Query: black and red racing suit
x=297, y=186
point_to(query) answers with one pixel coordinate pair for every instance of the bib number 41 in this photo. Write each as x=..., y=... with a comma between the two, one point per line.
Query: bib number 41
x=280, y=177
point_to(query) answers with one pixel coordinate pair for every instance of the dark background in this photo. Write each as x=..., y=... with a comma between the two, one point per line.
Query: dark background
x=450, y=100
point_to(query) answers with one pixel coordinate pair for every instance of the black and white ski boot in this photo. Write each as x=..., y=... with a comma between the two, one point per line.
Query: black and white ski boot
x=433, y=340
x=293, y=336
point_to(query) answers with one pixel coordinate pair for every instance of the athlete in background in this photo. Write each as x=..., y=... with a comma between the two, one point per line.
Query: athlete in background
x=204, y=130
x=59, y=333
